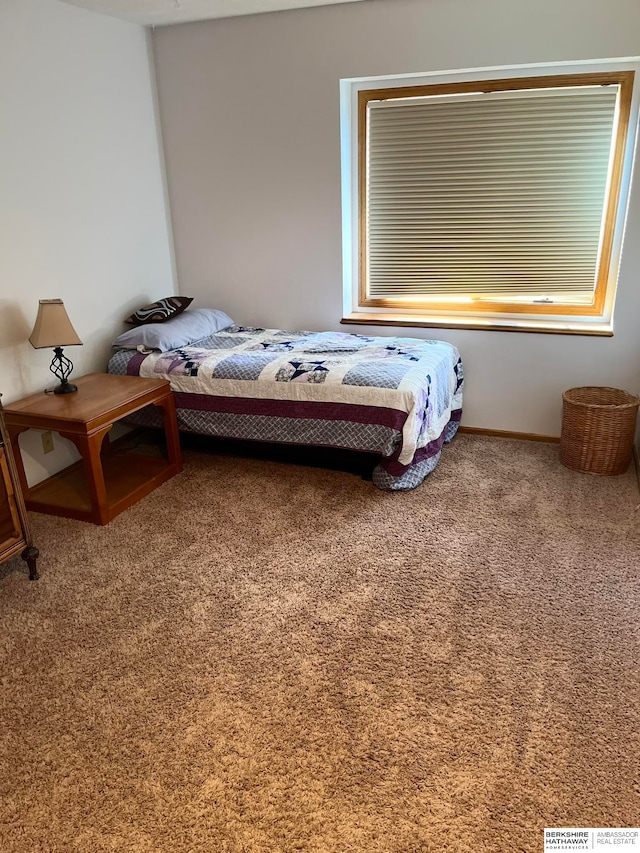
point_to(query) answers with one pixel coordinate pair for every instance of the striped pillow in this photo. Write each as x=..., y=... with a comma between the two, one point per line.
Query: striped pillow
x=158, y=312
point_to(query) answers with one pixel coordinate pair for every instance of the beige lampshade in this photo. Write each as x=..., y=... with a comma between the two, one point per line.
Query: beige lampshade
x=53, y=327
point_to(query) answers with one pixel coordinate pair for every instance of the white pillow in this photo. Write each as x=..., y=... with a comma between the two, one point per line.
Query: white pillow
x=190, y=326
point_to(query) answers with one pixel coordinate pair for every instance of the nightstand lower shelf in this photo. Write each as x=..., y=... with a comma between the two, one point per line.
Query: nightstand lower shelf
x=127, y=478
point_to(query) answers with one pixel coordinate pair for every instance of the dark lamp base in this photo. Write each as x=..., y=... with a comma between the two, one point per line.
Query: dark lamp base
x=61, y=368
x=65, y=388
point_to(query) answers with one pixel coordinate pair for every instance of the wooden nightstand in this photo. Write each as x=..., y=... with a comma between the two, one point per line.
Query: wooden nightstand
x=104, y=482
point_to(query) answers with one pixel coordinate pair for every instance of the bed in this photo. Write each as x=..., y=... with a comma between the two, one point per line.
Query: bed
x=397, y=397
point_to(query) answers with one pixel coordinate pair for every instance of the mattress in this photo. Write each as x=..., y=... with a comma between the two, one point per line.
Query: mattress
x=398, y=397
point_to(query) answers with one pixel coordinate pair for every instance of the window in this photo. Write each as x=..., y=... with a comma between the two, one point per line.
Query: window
x=489, y=202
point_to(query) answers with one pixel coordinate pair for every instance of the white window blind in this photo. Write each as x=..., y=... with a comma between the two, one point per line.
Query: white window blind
x=498, y=195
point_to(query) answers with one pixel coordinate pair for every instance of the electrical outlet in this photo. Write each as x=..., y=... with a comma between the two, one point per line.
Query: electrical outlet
x=47, y=441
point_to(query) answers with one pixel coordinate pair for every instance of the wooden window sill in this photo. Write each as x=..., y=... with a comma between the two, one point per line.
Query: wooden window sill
x=553, y=327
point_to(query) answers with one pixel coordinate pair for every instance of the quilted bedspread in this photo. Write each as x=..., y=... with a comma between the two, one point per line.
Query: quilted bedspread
x=411, y=386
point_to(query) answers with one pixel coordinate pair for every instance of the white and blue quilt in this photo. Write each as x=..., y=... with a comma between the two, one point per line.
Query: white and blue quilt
x=396, y=396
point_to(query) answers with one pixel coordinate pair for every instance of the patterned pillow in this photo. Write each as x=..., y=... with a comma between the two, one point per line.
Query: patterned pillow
x=158, y=312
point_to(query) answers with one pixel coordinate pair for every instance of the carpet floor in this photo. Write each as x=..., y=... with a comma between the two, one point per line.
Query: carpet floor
x=263, y=658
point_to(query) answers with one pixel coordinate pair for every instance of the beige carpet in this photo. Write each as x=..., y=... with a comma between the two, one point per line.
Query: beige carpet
x=264, y=657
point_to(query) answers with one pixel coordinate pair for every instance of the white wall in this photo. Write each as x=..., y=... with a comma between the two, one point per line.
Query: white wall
x=250, y=116
x=82, y=207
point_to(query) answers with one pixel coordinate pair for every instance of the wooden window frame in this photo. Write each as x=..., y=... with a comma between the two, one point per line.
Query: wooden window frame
x=461, y=314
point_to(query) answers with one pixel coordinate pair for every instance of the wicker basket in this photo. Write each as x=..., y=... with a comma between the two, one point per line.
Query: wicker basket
x=598, y=428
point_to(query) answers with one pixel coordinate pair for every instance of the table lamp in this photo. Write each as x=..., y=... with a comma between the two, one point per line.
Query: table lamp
x=53, y=329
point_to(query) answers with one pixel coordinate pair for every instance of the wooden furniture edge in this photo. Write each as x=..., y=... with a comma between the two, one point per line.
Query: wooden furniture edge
x=23, y=546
